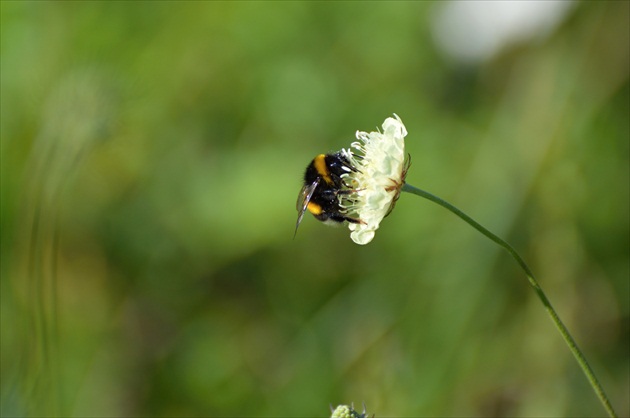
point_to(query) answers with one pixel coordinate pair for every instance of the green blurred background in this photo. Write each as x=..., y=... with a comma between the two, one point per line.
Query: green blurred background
x=151, y=158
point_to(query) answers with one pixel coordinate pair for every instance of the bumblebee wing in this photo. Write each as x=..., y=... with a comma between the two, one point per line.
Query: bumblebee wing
x=303, y=199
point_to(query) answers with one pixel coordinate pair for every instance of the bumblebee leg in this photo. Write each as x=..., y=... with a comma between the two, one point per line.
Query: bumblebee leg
x=354, y=220
x=338, y=217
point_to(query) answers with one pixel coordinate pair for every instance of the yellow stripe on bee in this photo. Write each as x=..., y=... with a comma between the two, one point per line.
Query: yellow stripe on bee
x=322, y=170
x=314, y=208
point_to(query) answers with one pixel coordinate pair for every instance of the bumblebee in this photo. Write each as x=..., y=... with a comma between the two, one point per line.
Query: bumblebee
x=322, y=186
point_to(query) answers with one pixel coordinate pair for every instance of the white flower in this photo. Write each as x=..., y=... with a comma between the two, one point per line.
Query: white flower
x=345, y=411
x=380, y=173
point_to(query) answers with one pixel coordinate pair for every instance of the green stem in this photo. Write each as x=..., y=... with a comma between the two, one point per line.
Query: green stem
x=568, y=339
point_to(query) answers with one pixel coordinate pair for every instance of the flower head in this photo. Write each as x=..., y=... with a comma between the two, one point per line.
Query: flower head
x=345, y=411
x=381, y=166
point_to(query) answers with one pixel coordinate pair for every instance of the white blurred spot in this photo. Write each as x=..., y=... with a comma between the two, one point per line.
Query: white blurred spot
x=474, y=31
